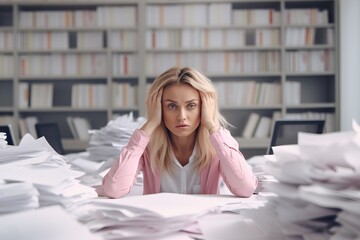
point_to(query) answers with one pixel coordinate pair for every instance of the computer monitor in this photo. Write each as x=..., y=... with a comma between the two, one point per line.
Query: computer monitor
x=285, y=132
x=10, y=137
x=51, y=133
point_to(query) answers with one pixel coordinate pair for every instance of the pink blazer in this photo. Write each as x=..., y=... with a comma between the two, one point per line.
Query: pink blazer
x=228, y=162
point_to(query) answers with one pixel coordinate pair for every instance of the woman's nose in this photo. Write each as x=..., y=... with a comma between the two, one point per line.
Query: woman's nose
x=182, y=115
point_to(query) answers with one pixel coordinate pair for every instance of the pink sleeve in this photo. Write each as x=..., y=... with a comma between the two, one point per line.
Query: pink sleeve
x=122, y=175
x=236, y=172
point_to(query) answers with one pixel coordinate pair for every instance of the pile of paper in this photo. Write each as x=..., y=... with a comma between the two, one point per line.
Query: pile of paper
x=43, y=224
x=34, y=165
x=3, y=141
x=23, y=194
x=105, y=146
x=150, y=216
x=318, y=188
x=107, y=142
x=257, y=165
x=28, y=152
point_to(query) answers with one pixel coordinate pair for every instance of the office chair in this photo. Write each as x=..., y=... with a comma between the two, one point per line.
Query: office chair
x=10, y=137
x=51, y=133
x=286, y=131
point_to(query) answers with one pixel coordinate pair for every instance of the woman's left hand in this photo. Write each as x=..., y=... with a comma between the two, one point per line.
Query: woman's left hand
x=208, y=111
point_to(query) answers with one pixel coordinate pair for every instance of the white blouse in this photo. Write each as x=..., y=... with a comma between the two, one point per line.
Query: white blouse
x=185, y=179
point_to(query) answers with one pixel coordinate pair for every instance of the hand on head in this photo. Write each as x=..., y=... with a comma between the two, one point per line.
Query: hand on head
x=154, y=112
x=207, y=111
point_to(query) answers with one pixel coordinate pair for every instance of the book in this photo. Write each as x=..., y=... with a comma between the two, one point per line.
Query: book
x=27, y=125
x=23, y=95
x=82, y=126
x=251, y=125
x=41, y=95
x=263, y=128
x=70, y=122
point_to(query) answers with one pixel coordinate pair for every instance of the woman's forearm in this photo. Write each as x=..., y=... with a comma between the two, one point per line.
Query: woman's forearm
x=122, y=175
x=236, y=172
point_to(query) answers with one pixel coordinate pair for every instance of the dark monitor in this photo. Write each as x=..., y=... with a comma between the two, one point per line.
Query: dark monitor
x=51, y=133
x=286, y=131
x=10, y=137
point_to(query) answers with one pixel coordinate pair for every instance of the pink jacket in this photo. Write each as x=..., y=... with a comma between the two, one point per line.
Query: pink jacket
x=229, y=162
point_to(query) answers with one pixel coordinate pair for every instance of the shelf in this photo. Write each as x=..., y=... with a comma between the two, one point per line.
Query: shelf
x=6, y=51
x=6, y=28
x=233, y=49
x=274, y=107
x=62, y=109
x=75, y=144
x=204, y=49
x=6, y=109
x=63, y=78
x=61, y=51
x=239, y=75
x=73, y=29
x=313, y=47
x=132, y=77
x=312, y=106
x=309, y=25
x=309, y=74
x=248, y=27
x=252, y=142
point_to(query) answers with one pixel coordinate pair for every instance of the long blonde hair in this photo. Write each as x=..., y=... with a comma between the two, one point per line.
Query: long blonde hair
x=160, y=148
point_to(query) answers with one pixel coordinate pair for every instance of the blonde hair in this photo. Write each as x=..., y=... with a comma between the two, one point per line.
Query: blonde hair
x=159, y=147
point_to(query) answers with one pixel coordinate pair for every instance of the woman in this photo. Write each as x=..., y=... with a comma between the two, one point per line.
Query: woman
x=183, y=147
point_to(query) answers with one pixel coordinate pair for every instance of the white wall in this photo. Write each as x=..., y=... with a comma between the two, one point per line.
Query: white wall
x=349, y=62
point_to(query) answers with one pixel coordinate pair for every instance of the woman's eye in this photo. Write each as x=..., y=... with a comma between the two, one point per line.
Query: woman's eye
x=192, y=106
x=171, y=106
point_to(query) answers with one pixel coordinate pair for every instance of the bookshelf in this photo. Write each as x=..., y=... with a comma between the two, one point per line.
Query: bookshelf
x=274, y=58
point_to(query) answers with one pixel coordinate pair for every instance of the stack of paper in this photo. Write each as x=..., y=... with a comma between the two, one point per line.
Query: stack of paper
x=230, y=227
x=23, y=194
x=32, y=151
x=29, y=151
x=150, y=216
x=105, y=146
x=107, y=142
x=268, y=222
x=257, y=164
x=3, y=141
x=56, y=185
x=50, y=223
x=318, y=185
x=35, y=162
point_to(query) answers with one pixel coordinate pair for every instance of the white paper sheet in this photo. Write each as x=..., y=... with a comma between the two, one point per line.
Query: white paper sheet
x=48, y=176
x=169, y=205
x=229, y=227
x=50, y=223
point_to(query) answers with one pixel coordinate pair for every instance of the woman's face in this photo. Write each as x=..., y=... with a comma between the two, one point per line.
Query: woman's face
x=181, y=108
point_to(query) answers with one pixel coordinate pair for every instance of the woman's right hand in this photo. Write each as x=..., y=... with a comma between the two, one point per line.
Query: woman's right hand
x=153, y=106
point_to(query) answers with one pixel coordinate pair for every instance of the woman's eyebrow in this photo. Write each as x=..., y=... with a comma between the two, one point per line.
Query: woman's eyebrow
x=192, y=100
x=169, y=100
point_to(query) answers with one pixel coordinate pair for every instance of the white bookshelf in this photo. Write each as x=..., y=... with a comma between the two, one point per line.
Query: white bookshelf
x=250, y=50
